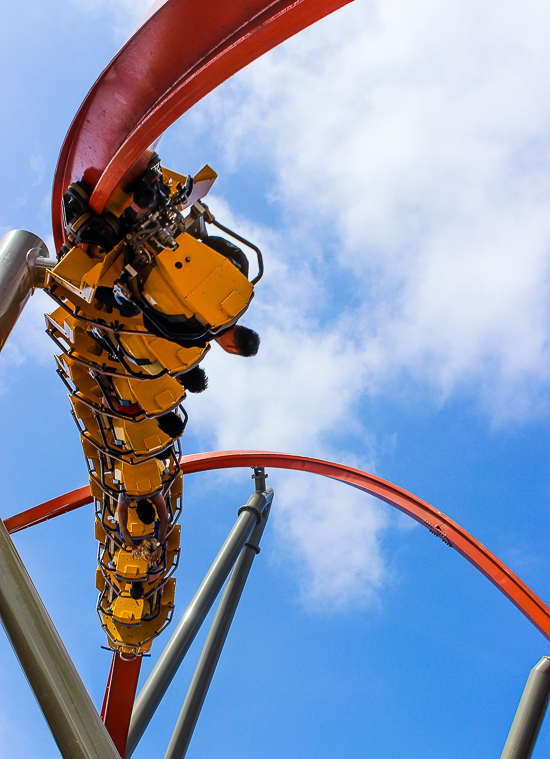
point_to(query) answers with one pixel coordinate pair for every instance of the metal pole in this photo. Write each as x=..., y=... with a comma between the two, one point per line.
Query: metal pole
x=23, y=264
x=65, y=703
x=160, y=678
x=531, y=710
x=202, y=678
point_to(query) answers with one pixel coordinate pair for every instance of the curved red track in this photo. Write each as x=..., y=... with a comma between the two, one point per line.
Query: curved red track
x=434, y=520
x=179, y=55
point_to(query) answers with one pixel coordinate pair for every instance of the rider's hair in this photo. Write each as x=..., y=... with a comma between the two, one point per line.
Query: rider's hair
x=246, y=340
x=194, y=381
x=171, y=424
x=145, y=511
x=136, y=590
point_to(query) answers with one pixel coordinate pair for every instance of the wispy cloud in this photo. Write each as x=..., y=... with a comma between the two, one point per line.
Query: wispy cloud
x=28, y=342
x=415, y=144
x=331, y=534
x=126, y=14
x=408, y=152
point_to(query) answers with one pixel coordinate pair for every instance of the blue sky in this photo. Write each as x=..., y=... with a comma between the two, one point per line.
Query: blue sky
x=392, y=164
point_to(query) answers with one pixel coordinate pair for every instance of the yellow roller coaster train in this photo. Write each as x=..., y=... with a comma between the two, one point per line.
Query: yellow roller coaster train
x=141, y=291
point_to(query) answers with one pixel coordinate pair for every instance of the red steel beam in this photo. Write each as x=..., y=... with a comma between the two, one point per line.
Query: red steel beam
x=60, y=505
x=179, y=55
x=434, y=520
x=118, y=702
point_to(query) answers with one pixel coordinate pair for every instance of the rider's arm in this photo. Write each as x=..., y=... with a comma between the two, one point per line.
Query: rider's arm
x=122, y=517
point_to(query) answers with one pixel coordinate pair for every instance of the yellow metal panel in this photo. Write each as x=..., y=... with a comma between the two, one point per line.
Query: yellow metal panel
x=154, y=442
x=206, y=173
x=81, y=274
x=128, y=567
x=90, y=452
x=99, y=579
x=128, y=611
x=168, y=593
x=95, y=490
x=174, y=538
x=166, y=398
x=63, y=322
x=233, y=304
x=179, y=272
x=195, y=279
x=136, y=637
x=177, y=486
x=99, y=531
x=162, y=353
x=142, y=437
x=158, y=395
x=136, y=527
x=220, y=286
x=78, y=273
x=80, y=378
x=141, y=479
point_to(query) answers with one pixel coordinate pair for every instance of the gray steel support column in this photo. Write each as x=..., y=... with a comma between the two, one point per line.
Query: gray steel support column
x=65, y=703
x=214, y=645
x=530, y=713
x=23, y=264
x=160, y=678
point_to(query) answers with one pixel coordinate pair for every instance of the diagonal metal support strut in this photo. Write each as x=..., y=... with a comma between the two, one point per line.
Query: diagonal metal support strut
x=214, y=644
x=160, y=678
x=65, y=703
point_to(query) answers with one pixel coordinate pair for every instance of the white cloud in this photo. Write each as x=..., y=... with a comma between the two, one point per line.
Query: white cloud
x=28, y=340
x=409, y=150
x=412, y=144
x=126, y=14
x=332, y=534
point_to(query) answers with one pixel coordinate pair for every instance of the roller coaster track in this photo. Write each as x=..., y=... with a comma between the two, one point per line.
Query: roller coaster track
x=442, y=526
x=179, y=55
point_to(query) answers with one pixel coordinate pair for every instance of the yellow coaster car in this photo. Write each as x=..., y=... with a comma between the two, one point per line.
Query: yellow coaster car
x=125, y=441
x=131, y=625
x=125, y=398
x=146, y=353
x=132, y=622
x=186, y=286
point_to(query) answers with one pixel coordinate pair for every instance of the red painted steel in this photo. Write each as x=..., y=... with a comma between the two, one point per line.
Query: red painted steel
x=60, y=505
x=179, y=55
x=431, y=518
x=438, y=523
x=118, y=702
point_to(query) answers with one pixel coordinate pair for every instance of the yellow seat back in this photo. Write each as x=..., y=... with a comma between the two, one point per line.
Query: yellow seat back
x=140, y=479
x=142, y=437
x=127, y=611
x=195, y=280
x=136, y=527
x=162, y=354
x=158, y=395
x=128, y=567
x=80, y=274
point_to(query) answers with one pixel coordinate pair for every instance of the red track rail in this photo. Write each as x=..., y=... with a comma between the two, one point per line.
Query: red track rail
x=434, y=520
x=60, y=505
x=179, y=55
x=119, y=699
